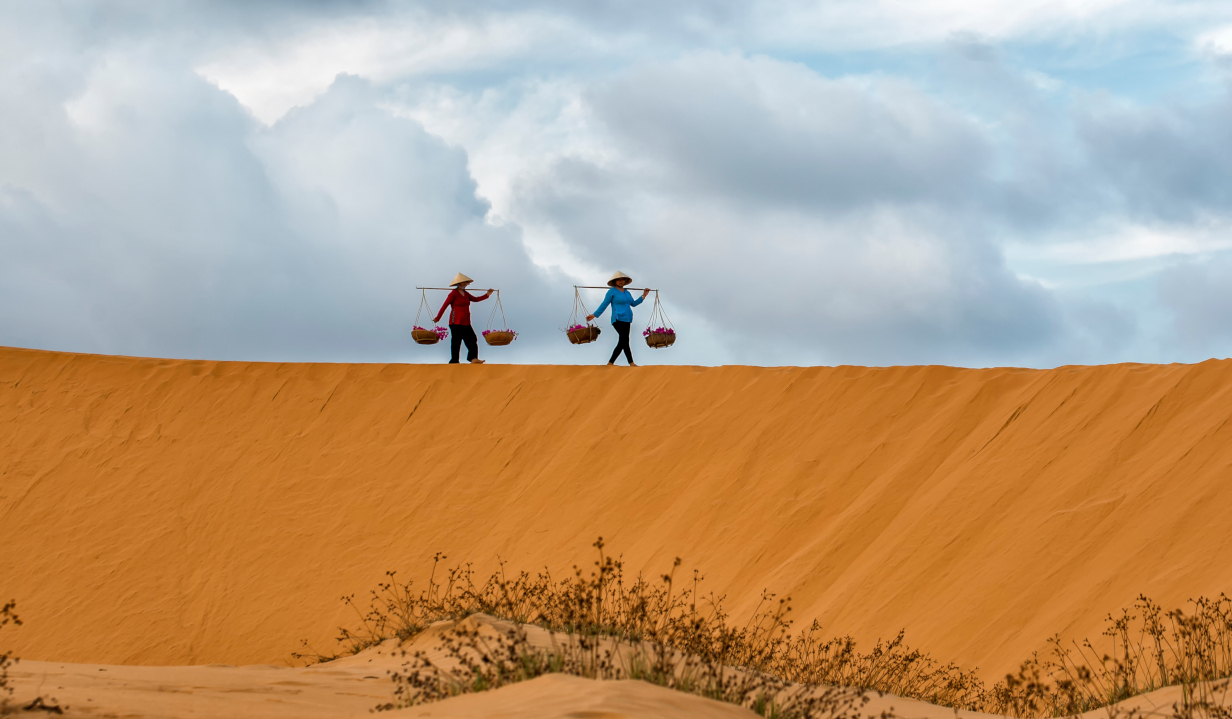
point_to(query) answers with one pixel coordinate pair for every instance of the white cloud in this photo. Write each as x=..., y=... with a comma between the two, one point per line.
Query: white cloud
x=1218, y=40
x=270, y=76
x=167, y=222
x=511, y=132
x=780, y=204
x=1128, y=244
x=865, y=24
x=270, y=72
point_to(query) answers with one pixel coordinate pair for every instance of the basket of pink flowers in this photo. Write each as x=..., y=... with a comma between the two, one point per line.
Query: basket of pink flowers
x=499, y=338
x=659, y=336
x=582, y=334
x=659, y=331
x=429, y=337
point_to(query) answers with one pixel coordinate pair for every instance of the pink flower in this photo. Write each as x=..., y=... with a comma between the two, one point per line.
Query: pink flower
x=441, y=332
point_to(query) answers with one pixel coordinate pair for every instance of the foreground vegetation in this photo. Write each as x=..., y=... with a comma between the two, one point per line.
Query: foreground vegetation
x=616, y=627
x=478, y=656
x=7, y=616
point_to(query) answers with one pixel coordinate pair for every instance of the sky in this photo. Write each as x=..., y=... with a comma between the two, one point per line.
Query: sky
x=877, y=182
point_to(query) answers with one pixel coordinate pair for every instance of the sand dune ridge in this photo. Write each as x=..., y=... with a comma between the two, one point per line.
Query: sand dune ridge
x=175, y=512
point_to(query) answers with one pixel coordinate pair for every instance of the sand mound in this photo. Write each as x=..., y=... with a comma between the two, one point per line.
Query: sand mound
x=351, y=687
x=175, y=512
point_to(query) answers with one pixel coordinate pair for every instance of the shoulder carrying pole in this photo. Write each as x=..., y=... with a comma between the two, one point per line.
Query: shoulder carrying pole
x=630, y=289
x=451, y=289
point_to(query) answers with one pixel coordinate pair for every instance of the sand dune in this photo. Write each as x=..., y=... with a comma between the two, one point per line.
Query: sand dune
x=264, y=692
x=177, y=512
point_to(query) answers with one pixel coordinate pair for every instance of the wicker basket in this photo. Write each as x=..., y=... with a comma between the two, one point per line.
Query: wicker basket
x=425, y=337
x=660, y=339
x=499, y=338
x=584, y=335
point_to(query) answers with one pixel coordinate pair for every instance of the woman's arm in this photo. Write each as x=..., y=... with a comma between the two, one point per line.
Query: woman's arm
x=480, y=299
x=638, y=301
x=448, y=302
x=607, y=300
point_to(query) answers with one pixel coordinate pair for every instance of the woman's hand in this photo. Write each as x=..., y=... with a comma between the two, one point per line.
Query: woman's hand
x=589, y=317
x=489, y=294
x=645, y=292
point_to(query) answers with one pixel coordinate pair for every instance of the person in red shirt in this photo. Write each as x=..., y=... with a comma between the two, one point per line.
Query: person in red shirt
x=460, y=330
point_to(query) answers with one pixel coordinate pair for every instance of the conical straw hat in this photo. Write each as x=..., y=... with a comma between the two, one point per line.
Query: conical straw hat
x=618, y=276
x=459, y=279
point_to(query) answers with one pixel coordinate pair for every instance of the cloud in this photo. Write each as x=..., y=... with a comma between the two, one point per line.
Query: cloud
x=271, y=76
x=155, y=216
x=1199, y=297
x=810, y=218
x=1168, y=163
x=886, y=209
x=763, y=130
x=269, y=180
x=1217, y=40
x=275, y=56
x=1133, y=243
x=833, y=26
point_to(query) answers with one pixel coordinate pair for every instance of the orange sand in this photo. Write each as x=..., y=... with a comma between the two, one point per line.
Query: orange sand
x=178, y=512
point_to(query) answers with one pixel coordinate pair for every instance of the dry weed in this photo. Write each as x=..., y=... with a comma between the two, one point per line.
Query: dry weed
x=473, y=662
x=7, y=616
x=1147, y=647
x=606, y=603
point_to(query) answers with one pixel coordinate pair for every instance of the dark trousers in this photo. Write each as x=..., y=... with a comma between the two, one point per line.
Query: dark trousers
x=622, y=329
x=459, y=334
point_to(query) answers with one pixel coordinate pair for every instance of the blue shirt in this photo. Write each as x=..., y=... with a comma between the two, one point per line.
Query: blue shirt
x=622, y=305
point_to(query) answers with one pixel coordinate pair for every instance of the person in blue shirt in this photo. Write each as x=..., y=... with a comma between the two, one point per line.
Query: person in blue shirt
x=622, y=303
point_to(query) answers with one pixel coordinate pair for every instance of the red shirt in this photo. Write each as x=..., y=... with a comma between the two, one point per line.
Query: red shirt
x=460, y=302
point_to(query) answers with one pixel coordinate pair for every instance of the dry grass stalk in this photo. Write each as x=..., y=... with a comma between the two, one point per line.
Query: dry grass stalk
x=7, y=616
